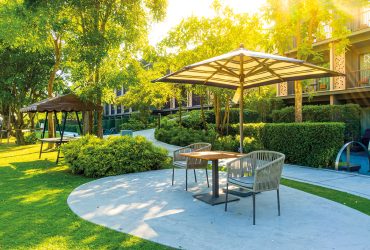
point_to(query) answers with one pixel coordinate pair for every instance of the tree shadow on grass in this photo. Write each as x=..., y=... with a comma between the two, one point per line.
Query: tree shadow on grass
x=34, y=211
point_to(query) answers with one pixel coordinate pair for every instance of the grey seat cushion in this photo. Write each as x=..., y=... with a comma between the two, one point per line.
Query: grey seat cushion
x=243, y=181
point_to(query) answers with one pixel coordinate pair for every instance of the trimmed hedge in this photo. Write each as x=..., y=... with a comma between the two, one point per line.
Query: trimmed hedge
x=94, y=157
x=307, y=143
x=350, y=114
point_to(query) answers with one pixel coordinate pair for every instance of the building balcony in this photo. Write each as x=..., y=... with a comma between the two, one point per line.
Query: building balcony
x=311, y=86
x=355, y=80
x=358, y=79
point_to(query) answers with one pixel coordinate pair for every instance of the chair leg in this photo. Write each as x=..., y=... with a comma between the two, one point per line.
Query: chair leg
x=254, y=208
x=186, y=180
x=195, y=176
x=278, y=200
x=207, y=177
x=227, y=194
x=173, y=174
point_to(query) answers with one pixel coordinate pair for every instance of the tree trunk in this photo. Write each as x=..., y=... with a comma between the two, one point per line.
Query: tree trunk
x=203, y=117
x=18, y=125
x=57, y=51
x=99, y=131
x=226, y=114
x=298, y=101
x=217, y=112
x=298, y=84
x=90, y=122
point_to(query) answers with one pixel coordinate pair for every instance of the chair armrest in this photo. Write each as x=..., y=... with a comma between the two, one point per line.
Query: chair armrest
x=177, y=156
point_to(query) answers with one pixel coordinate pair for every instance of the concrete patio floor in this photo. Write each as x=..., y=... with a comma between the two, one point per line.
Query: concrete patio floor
x=146, y=205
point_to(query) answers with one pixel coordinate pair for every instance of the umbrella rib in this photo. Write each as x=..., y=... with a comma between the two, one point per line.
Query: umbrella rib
x=227, y=69
x=269, y=70
x=253, y=70
x=217, y=69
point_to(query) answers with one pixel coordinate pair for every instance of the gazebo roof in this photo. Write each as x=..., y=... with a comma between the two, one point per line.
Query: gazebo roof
x=64, y=103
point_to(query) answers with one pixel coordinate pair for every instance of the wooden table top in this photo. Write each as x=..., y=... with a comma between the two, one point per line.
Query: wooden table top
x=212, y=155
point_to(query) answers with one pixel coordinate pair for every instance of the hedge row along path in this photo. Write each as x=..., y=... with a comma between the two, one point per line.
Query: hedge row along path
x=352, y=183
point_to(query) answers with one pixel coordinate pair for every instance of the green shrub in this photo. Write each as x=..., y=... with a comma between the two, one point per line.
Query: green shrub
x=30, y=138
x=182, y=136
x=350, y=114
x=94, y=157
x=135, y=125
x=226, y=143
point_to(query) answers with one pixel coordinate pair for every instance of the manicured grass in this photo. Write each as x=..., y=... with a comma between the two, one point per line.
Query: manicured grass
x=33, y=210
x=349, y=200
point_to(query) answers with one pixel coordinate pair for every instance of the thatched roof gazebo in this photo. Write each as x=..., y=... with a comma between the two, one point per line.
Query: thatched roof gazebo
x=69, y=103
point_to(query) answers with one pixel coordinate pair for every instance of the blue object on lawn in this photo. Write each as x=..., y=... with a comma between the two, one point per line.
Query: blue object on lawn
x=126, y=132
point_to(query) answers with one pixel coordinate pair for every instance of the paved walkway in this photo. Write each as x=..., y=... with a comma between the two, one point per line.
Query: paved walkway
x=148, y=206
x=353, y=183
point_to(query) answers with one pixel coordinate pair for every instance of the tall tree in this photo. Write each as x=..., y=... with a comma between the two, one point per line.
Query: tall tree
x=104, y=28
x=196, y=39
x=36, y=26
x=23, y=80
x=304, y=21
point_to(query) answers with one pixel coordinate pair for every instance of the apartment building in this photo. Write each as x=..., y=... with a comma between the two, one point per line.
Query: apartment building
x=355, y=63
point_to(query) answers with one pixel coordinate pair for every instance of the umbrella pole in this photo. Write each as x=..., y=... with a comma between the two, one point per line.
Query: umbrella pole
x=241, y=104
x=241, y=116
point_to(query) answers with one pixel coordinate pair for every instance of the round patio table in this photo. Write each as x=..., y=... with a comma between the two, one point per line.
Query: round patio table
x=213, y=198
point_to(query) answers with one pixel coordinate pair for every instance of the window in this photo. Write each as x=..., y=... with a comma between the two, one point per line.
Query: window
x=364, y=68
x=112, y=109
x=119, y=92
x=196, y=99
x=119, y=109
x=365, y=61
x=106, y=109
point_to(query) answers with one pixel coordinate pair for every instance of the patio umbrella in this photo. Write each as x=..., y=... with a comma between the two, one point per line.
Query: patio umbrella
x=242, y=69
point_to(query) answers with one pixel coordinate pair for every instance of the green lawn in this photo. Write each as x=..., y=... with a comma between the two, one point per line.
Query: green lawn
x=33, y=210
x=34, y=213
x=350, y=200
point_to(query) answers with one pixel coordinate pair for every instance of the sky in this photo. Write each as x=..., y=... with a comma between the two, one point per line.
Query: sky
x=180, y=9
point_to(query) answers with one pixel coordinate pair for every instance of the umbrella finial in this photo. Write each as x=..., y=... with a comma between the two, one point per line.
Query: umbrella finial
x=241, y=46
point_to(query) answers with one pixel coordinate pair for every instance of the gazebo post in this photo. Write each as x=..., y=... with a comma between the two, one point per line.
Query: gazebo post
x=43, y=132
x=79, y=123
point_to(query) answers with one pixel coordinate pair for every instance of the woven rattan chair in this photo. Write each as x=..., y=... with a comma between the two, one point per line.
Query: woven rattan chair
x=257, y=171
x=190, y=163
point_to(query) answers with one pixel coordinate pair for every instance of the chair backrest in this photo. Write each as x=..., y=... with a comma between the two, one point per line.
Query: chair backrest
x=198, y=147
x=265, y=166
x=366, y=134
x=268, y=170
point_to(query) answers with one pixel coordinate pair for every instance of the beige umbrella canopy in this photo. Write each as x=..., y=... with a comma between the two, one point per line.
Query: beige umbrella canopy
x=242, y=69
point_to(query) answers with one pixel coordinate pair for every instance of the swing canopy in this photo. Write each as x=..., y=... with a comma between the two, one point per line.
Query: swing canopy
x=64, y=103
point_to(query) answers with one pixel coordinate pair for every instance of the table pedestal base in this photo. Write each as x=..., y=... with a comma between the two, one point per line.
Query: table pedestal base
x=208, y=198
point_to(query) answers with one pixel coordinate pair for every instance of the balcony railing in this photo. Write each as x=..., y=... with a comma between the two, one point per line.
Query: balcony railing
x=359, y=78
x=362, y=21
x=312, y=85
